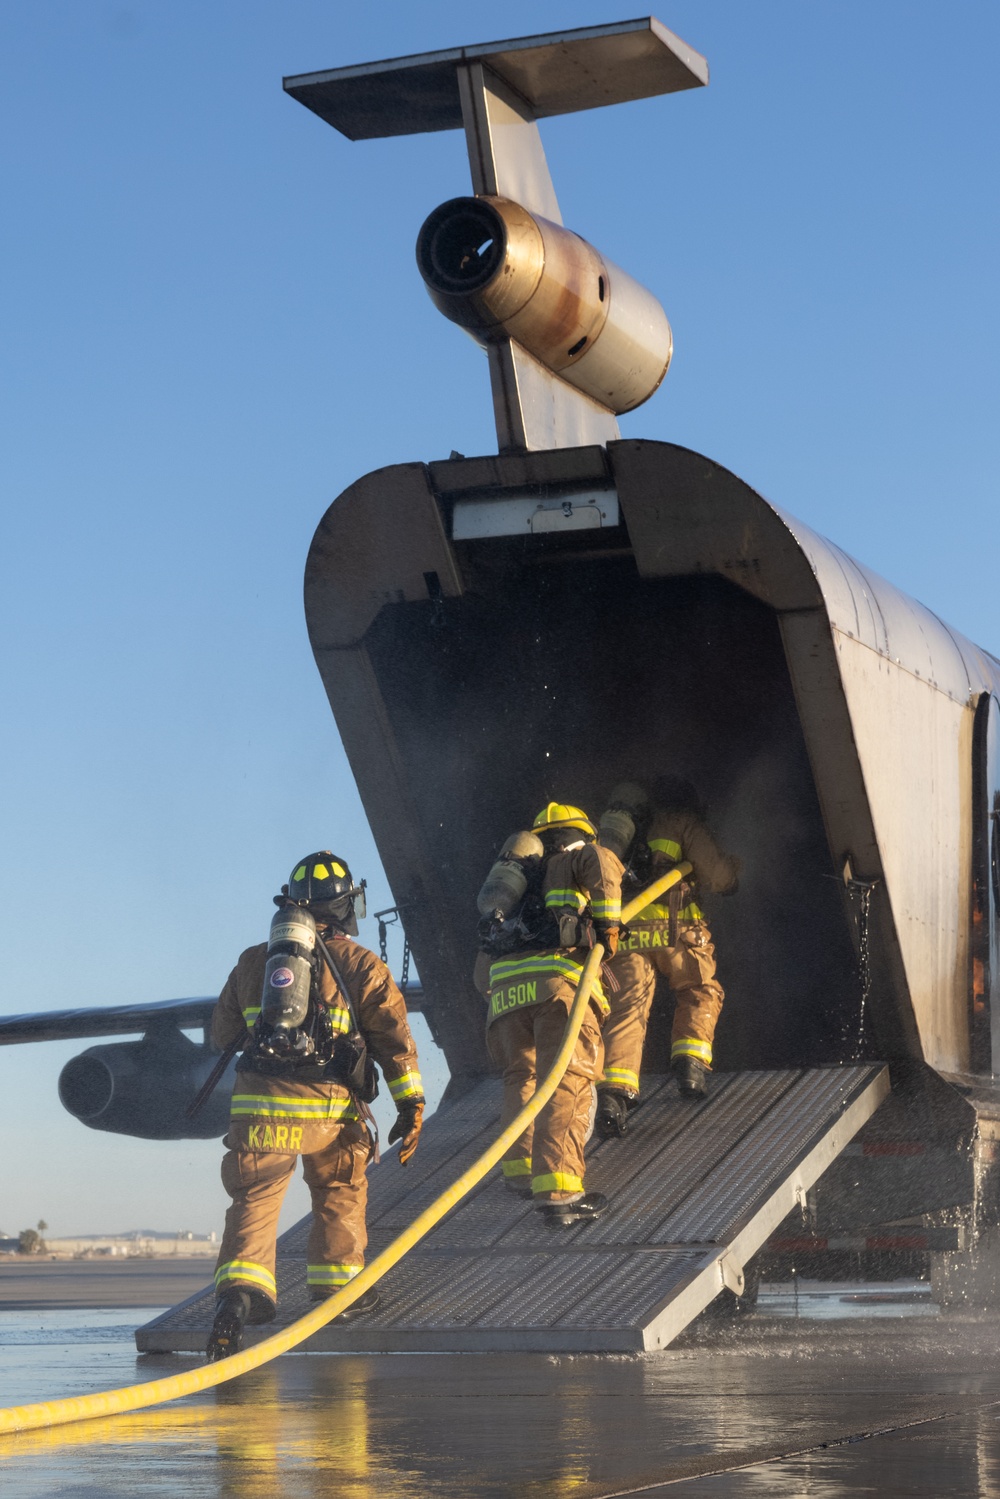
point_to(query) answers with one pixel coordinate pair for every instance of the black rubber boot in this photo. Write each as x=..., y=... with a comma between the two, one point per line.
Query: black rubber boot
x=692, y=1077
x=518, y=1186
x=262, y=1308
x=366, y=1302
x=565, y=1214
x=612, y=1114
x=226, y=1336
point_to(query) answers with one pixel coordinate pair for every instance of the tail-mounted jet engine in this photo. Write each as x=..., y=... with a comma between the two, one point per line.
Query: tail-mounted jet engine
x=501, y=272
x=144, y=1087
x=572, y=341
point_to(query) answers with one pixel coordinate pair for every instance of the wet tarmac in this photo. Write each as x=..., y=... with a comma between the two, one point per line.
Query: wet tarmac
x=788, y=1402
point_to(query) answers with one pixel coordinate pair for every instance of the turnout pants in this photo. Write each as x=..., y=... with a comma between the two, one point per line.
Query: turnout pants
x=257, y=1181
x=524, y=1043
x=689, y=968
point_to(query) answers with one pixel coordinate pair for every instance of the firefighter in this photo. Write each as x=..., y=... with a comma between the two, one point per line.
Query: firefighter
x=551, y=895
x=303, y=1090
x=670, y=937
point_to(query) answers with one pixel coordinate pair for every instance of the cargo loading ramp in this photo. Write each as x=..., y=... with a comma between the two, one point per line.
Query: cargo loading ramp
x=695, y=1190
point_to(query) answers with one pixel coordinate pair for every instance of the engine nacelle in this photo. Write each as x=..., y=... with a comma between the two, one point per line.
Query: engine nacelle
x=144, y=1087
x=501, y=272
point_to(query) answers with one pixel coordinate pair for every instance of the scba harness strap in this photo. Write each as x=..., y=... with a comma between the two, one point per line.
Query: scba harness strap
x=542, y=921
x=350, y=1052
x=332, y=1047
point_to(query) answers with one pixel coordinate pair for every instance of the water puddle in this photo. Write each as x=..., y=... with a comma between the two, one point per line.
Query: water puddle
x=818, y=1363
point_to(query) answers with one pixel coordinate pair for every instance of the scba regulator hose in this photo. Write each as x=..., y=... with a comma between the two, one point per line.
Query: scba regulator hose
x=18, y=1418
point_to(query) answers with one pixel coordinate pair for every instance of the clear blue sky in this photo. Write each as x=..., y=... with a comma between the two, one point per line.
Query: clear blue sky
x=212, y=323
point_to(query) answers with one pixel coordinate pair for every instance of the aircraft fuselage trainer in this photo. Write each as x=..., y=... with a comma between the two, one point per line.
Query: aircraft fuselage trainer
x=579, y=609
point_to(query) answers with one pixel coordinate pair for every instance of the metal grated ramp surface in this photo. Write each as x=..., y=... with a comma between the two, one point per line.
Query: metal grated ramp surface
x=695, y=1190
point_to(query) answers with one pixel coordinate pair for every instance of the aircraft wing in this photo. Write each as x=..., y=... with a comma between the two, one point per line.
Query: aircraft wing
x=123, y=1020
x=110, y=1020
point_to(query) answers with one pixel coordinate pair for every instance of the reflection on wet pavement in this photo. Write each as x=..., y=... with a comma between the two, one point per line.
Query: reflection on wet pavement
x=957, y=1458
x=411, y=1426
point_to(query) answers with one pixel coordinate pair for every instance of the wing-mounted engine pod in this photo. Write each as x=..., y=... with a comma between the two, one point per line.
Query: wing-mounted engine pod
x=501, y=272
x=144, y=1088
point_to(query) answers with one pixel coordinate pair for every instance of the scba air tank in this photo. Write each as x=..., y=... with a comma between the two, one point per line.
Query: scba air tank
x=616, y=830
x=507, y=881
x=284, y=1003
x=628, y=811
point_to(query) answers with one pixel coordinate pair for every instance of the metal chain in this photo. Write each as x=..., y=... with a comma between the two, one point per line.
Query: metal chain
x=385, y=919
x=861, y=891
x=864, y=945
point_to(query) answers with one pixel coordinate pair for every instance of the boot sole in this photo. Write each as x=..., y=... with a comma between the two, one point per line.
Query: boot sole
x=565, y=1220
x=354, y=1312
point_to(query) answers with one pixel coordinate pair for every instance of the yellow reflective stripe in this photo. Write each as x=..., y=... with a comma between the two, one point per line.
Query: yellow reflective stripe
x=519, y=1167
x=666, y=846
x=606, y=910
x=574, y=898
x=340, y=1021
x=407, y=1086
x=246, y=1270
x=539, y=965
x=265, y=1106
x=557, y=1181
x=250, y=1015
x=536, y=963
x=689, y=1047
x=331, y=1275
x=288, y=1108
x=621, y=1077
x=657, y=912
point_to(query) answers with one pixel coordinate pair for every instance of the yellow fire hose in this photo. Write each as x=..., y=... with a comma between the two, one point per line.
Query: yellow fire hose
x=18, y=1418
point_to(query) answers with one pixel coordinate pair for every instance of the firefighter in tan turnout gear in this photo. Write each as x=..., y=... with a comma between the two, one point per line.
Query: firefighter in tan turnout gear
x=315, y=1008
x=552, y=893
x=669, y=937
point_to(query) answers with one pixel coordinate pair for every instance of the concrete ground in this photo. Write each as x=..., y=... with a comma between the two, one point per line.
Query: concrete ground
x=768, y=1406
x=29, y=1282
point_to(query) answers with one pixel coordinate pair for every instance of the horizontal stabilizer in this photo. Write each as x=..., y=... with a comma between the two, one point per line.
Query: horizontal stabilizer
x=554, y=74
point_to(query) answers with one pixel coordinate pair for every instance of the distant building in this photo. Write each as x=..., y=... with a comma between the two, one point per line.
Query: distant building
x=143, y=1245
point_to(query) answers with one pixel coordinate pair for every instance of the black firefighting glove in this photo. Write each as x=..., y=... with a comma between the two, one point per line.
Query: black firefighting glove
x=608, y=936
x=409, y=1122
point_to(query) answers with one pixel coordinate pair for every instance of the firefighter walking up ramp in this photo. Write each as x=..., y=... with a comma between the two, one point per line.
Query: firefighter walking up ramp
x=695, y=1189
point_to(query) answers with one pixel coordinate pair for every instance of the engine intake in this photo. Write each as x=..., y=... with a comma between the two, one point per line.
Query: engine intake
x=500, y=272
x=143, y=1088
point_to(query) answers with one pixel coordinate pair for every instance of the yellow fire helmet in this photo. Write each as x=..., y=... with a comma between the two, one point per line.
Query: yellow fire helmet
x=559, y=815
